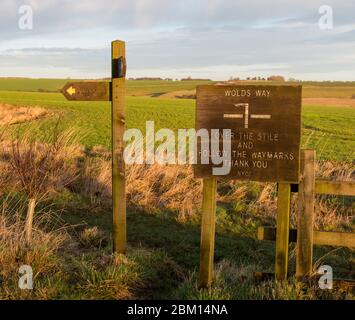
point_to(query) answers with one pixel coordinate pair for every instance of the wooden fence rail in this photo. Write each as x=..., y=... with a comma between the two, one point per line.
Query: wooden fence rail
x=320, y=238
x=346, y=188
x=304, y=235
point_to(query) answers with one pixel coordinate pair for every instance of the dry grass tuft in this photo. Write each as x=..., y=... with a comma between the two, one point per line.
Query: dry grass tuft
x=10, y=114
x=172, y=188
x=95, y=181
x=155, y=187
x=93, y=237
x=41, y=254
x=331, y=170
x=32, y=166
x=40, y=168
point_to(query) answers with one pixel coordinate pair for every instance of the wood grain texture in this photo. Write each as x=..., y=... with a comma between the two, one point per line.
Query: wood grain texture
x=282, y=233
x=341, y=188
x=265, y=124
x=336, y=239
x=87, y=91
x=29, y=220
x=118, y=165
x=269, y=234
x=321, y=238
x=208, y=231
x=305, y=215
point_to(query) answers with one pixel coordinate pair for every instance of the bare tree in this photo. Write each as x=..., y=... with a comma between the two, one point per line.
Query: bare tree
x=40, y=168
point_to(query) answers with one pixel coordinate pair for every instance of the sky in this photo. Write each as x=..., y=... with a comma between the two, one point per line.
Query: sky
x=215, y=39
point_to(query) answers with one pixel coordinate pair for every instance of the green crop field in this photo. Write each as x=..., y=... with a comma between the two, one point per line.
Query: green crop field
x=154, y=87
x=24, y=84
x=329, y=130
x=138, y=88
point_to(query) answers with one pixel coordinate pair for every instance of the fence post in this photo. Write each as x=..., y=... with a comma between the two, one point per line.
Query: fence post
x=118, y=127
x=29, y=220
x=208, y=231
x=305, y=218
x=282, y=230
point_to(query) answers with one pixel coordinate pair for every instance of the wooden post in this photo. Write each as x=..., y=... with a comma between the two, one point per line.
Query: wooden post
x=29, y=220
x=282, y=230
x=118, y=127
x=208, y=231
x=305, y=219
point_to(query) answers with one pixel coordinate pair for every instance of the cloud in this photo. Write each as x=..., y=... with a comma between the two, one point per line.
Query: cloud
x=77, y=62
x=216, y=38
x=62, y=15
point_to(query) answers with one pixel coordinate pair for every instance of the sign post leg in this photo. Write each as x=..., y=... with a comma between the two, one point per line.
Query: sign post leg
x=305, y=219
x=118, y=166
x=208, y=231
x=282, y=230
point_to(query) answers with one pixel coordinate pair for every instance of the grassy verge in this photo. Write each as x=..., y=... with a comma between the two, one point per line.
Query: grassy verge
x=70, y=250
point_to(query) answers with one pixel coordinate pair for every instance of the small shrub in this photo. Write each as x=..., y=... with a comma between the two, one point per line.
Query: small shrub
x=93, y=237
x=15, y=251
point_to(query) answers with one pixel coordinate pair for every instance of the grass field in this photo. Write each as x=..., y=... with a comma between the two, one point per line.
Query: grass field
x=139, y=88
x=133, y=87
x=71, y=250
x=329, y=130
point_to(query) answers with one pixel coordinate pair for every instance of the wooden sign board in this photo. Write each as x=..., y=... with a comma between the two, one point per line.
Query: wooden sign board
x=87, y=91
x=265, y=124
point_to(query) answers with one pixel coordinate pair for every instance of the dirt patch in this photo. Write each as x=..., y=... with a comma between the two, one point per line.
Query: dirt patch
x=10, y=114
x=157, y=94
x=334, y=102
x=182, y=94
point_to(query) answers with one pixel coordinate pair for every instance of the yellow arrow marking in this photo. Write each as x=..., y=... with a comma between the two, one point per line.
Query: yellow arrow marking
x=71, y=90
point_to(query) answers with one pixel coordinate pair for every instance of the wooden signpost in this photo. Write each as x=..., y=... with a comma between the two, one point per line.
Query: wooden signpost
x=88, y=91
x=265, y=124
x=111, y=91
x=118, y=128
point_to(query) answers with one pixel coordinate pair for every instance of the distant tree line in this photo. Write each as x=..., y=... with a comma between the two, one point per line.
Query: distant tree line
x=194, y=79
x=151, y=79
x=258, y=78
x=167, y=79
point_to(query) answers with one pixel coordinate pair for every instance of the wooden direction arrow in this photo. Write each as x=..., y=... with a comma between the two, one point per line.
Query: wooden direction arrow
x=87, y=91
